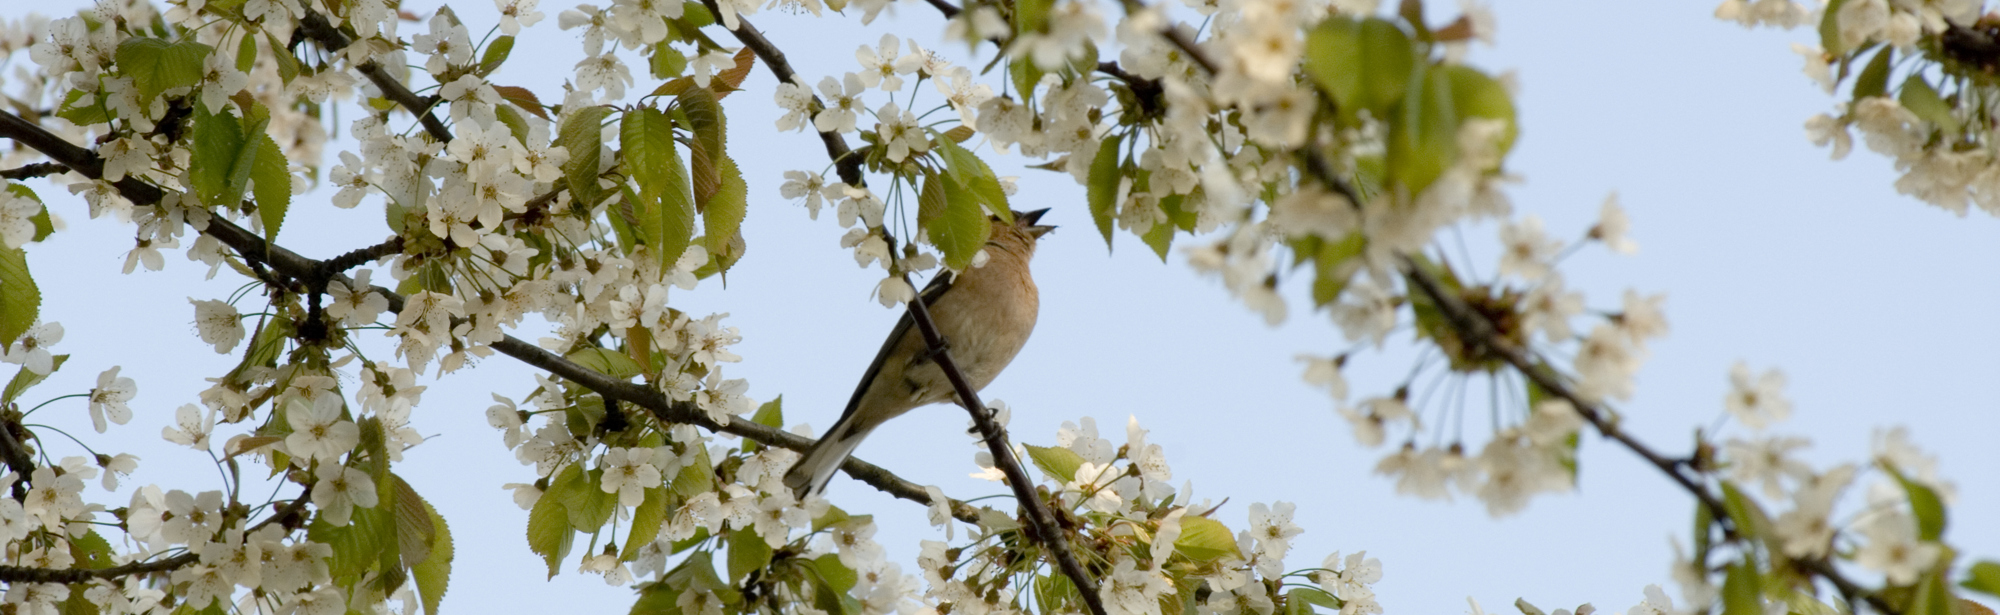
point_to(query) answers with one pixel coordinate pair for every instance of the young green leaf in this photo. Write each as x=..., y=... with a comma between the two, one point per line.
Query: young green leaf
x=1204, y=539
x=1364, y=64
x=647, y=520
x=666, y=208
x=747, y=552
x=495, y=55
x=273, y=182
x=1059, y=462
x=1983, y=577
x=722, y=222
x=1103, y=188
x=217, y=141
x=20, y=300
x=1160, y=238
x=1423, y=132
x=973, y=174
x=583, y=135
x=433, y=575
x=706, y=121
x=961, y=229
x=549, y=533
x=1874, y=79
x=246, y=54
x=156, y=65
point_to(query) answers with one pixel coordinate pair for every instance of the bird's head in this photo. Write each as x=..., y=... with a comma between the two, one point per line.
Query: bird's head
x=1022, y=233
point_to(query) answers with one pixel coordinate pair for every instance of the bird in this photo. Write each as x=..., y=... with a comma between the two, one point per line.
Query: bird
x=984, y=313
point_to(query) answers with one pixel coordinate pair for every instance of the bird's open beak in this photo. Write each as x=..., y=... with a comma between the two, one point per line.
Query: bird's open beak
x=1029, y=220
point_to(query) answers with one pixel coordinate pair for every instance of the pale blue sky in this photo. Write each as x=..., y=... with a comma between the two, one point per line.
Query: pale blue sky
x=1872, y=303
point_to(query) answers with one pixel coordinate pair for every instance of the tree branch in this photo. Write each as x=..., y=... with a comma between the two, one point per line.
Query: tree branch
x=30, y=171
x=316, y=26
x=30, y=574
x=1480, y=331
x=15, y=454
x=291, y=264
x=1043, y=522
x=845, y=161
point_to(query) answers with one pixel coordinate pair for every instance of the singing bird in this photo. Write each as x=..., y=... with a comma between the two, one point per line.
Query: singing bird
x=985, y=315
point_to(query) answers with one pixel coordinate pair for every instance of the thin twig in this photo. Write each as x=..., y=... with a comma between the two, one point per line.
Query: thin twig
x=849, y=166
x=16, y=456
x=1044, y=523
x=30, y=574
x=293, y=265
x=30, y=171
x=844, y=159
x=329, y=37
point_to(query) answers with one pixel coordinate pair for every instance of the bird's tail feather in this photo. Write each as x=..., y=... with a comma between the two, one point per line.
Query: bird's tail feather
x=810, y=474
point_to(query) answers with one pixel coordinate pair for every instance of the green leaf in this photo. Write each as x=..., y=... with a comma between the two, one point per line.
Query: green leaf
x=605, y=361
x=1054, y=591
x=1204, y=539
x=838, y=576
x=1740, y=592
x=961, y=229
x=433, y=575
x=696, y=478
x=1983, y=577
x=931, y=199
x=833, y=516
x=1749, y=519
x=1921, y=99
x=747, y=552
x=1330, y=267
x=549, y=533
x=666, y=208
x=646, y=522
x=359, y=545
x=1057, y=461
x=1423, y=132
x=666, y=62
x=657, y=599
x=722, y=221
x=495, y=55
x=273, y=182
x=1474, y=94
x=1934, y=596
x=246, y=54
x=1103, y=188
x=516, y=124
x=1925, y=505
x=1829, y=28
x=91, y=552
x=44, y=226
x=1026, y=76
x=973, y=174
x=1031, y=15
x=705, y=120
x=288, y=65
x=1363, y=64
x=1160, y=238
x=1874, y=79
x=415, y=528
x=20, y=299
x=156, y=65
x=589, y=506
x=84, y=109
x=27, y=379
x=583, y=135
x=217, y=141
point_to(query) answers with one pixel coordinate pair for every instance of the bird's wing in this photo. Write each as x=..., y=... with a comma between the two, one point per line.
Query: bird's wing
x=938, y=286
